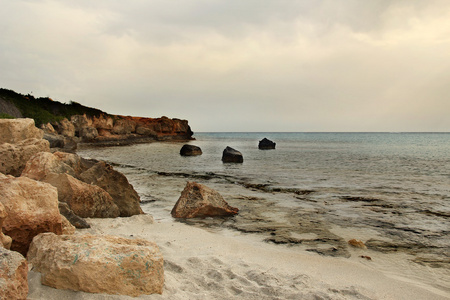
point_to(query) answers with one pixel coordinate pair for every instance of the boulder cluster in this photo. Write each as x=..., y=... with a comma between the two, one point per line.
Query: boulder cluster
x=43, y=197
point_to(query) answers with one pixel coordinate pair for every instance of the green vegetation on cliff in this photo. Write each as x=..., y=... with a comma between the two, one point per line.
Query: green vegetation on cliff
x=43, y=110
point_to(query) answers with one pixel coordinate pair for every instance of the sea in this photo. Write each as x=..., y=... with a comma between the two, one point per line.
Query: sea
x=314, y=192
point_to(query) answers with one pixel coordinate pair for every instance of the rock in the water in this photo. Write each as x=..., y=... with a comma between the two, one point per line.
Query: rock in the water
x=5, y=241
x=190, y=150
x=13, y=157
x=13, y=275
x=75, y=220
x=231, y=155
x=266, y=144
x=357, y=244
x=117, y=185
x=98, y=264
x=199, y=201
x=15, y=130
x=85, y=200
x=32, y=208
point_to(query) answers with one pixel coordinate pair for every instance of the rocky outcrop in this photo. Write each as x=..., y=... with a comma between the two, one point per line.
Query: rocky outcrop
x=65, y=128
x=200, y=201
x=5, y=241
x=85, y=200
x=190, y=150
x=98, y=264
x=266, y=144
x=231, y=155
x=117, y=185
x=13, y=275
x=13, y=157
x=32, y=208
x=15, y=130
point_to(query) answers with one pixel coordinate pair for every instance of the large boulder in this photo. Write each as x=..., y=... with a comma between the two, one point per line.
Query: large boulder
x=190, y=150
x=200, y=201
x=15, y=130
x=42, y=164
x=266, y=144
x=65, y=127
x=32, y=208
x=98, y=264
x=5, y=241
x=88, y=134
x=231, y=155
x=117, y=185
x=13, y=157
x=85, y=200
x=13, y=275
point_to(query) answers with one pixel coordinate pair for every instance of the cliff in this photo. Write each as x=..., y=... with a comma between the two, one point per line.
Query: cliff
x=89, y=125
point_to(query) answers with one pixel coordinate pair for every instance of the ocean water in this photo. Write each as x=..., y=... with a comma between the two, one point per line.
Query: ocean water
x=315, y=191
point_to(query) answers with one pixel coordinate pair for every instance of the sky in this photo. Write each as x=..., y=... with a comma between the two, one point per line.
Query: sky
x=234, y=65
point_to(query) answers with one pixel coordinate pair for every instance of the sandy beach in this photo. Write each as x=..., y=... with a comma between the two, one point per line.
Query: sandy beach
x=200, y=264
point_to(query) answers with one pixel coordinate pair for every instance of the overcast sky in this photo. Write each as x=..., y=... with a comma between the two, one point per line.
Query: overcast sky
x=238, y=65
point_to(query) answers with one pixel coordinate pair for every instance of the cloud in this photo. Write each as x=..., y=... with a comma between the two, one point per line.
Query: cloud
x=252, y=65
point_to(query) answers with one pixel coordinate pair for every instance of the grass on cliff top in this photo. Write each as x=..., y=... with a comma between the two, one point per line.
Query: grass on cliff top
x=45, y=110
x=6, y=116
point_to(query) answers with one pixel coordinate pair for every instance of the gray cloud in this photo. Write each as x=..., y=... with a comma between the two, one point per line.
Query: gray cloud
x=252, y=65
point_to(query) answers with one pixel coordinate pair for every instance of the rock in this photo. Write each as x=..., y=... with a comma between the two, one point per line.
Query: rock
x=55, y=140
x=42, y=164
x=48, y=128
x=13, y=275
x=13, y=131
x=67, y=227
x=76, y=162
x=32, y=208
x=5, y=241
x=357, y=243
x=231, y=155
x=102, y=122
x=200, y=201
x=124, y=126
x=88, y=133
x=85, y=200
x=65, y=127
x=144, y=130
x=79, y=121
x=117, y=185
x=190, y=150
x=13, y=157
x=266, y=144
x=75, y=220
x=98, y=264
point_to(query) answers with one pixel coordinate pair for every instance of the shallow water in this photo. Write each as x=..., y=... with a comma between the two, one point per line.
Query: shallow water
x=315, y=191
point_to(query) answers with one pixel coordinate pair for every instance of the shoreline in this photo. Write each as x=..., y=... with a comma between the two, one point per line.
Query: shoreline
x=204, y=265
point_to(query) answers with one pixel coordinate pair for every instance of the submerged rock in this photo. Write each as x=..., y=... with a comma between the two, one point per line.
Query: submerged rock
x=98, y=264
x=190, y=150
x=266, y=144
x=231, y=155
x=13, y=275
x=200, y=201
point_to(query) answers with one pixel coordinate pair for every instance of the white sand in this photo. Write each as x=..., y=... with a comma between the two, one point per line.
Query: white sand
x=203, y=265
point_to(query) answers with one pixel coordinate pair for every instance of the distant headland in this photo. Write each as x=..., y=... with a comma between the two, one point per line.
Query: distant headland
x=73, y=122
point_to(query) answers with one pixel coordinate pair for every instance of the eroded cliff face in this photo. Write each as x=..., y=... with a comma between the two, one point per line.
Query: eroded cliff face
x=122, y=129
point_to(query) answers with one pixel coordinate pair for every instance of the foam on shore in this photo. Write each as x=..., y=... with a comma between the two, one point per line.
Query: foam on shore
x=203, y=265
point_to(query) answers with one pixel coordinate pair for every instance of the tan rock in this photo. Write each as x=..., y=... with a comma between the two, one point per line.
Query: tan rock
x=5, y=240
x=13, y=275
x=102, y=122
x=42, y=164
x=88, y=134
x=48, y=128
x=15, y=130
x=66, y=128
x=13, y=157
x=79, y=121
x=117, y=185
x=86, y=200
x=32, y=208
x=357, y=244
x=98, y=264
x=124, y=126
x=67, y=228
x=199, y=201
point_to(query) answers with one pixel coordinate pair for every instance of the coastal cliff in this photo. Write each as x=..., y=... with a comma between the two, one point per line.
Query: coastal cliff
x=73, y=123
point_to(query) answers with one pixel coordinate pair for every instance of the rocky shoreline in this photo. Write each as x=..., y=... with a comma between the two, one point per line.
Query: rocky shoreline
x=44, y=196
